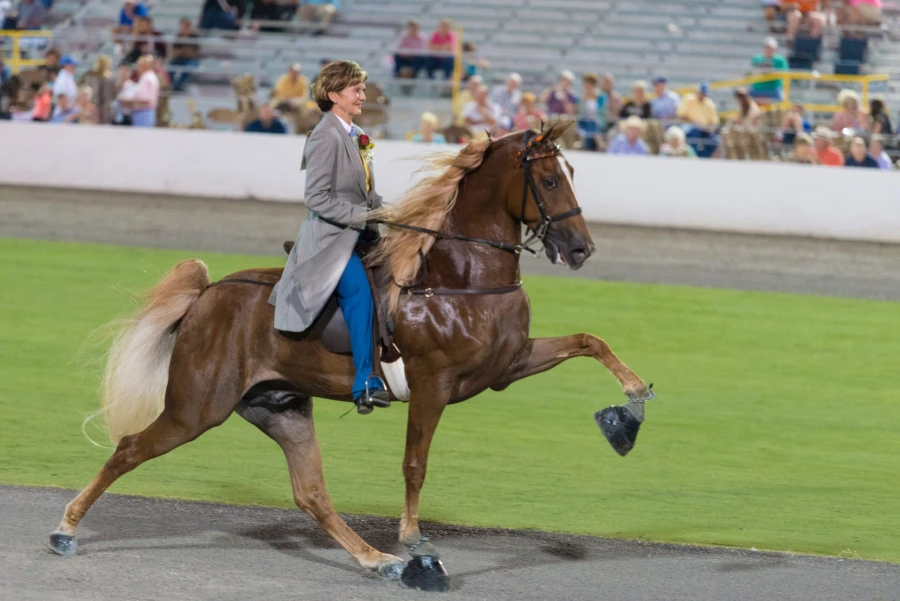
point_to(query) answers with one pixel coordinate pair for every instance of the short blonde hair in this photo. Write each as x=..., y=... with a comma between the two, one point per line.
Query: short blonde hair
x=335, y=77
x=845, y=95
x=529, y=97
x=803, y=139
x=675, y=133
x=640, y=84
x=431, y=119
x=87, y=91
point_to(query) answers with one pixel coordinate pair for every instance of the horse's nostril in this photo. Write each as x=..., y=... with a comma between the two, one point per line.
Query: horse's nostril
x=579, y=255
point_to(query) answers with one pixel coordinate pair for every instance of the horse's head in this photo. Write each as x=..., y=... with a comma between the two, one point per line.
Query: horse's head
x=542, y=196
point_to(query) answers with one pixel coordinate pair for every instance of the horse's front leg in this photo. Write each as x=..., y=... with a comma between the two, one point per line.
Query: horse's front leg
x=427, y=403
x=619, y=424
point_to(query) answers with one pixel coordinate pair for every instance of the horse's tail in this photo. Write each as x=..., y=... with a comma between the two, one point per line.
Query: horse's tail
x=137, y=369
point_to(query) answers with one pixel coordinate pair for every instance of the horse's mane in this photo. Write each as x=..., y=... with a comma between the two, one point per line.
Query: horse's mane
x=426, y=205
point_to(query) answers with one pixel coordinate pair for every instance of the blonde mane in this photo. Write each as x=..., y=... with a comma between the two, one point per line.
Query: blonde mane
x=426, y=205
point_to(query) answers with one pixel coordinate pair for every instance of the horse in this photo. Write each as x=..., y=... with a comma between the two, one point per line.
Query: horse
x=198, y=351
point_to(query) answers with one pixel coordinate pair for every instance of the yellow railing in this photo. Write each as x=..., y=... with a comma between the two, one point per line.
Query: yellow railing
x=15, y=60
x=457, y=73
x=787, y=77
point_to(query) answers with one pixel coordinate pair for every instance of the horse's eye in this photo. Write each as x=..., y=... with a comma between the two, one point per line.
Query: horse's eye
x=550, y=183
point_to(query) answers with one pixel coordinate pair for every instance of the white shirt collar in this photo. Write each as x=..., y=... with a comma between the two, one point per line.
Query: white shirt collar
x=347, y=127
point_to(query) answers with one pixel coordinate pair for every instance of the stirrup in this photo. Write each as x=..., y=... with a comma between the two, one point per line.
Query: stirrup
x=379, y=397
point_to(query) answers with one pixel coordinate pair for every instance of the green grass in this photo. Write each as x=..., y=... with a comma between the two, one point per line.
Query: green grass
x=775, y=427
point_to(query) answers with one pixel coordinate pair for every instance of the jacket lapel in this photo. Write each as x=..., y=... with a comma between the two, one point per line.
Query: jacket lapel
x=352, y=150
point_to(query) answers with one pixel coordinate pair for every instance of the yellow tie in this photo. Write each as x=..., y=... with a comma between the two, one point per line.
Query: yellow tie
x=368, y=173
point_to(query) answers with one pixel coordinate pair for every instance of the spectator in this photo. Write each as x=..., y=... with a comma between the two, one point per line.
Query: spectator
x=665, y=106
x=860, y=12
x=6, y=11
x=675, y=144
x=101, y=82
x=31, y=14
x=472, y=64
x=825, y=153
x=803, y=10
x=768, y=62
x=408, y=64
x=748, y=112
x=850, y=116
x=591, y=115
x=427, y=133
x=881, y=121
x=529, y=115
x=321, y=11
x=146, y=40
x=219, y=14
x=145, y=97
x=267, y=122
x=611, y=99
x=876, y=149
x=771, y=12
x=65, y=79
x=508, y=97
x=803, y=152
x=291, y=90
x=699, y=109
x=466, y=95
x=87, y=110
x=125, y=92
x=559, y=99
x=5, y=73
x=859, y=155
x=638, y=106
x=792, y=123
x=443, y=45
x=43, y=103
x=185, y=53
x=127, y=14
x=481, y=113
x=65, y=111
x=630, y=142
x=51, y=62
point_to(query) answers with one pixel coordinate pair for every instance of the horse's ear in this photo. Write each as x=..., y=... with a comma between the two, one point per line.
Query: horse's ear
x=557, y=129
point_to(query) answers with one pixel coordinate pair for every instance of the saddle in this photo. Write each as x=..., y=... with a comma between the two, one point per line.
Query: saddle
x=330, y=327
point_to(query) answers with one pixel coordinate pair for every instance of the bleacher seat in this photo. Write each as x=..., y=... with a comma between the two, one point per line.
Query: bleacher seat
x=806, y=53
x=851, y=55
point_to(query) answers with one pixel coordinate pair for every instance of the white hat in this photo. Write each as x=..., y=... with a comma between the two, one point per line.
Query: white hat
x=634, y=121
x=566, y=74
x=770, y=42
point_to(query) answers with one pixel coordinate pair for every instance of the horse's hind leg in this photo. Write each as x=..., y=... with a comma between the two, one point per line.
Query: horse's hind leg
x=170, y=430
x=290, y=424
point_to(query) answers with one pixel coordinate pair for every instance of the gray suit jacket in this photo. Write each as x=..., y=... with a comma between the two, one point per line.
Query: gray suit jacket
x=336, y=190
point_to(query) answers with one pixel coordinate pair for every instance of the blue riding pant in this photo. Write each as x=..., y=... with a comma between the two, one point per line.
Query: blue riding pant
x=354, y=296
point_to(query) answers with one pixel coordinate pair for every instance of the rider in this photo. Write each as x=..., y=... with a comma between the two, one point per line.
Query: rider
x=340, y=190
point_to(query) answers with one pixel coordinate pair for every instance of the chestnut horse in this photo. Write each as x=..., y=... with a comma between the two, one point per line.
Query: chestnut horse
x=199, y=351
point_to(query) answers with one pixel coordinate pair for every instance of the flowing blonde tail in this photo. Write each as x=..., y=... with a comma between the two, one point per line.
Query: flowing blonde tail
x=137, y=370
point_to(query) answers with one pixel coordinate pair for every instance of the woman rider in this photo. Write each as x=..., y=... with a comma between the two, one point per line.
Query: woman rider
x=340, y=190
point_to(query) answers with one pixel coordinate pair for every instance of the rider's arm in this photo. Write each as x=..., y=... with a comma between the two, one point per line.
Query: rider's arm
x=320, y=164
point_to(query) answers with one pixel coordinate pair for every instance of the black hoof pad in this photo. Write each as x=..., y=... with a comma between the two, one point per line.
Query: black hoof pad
x=619, y=427
x=426, y=573
x=63, y=544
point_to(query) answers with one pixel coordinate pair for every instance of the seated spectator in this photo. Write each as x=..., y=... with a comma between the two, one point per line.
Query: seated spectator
x=5, y=72
x=100, y=80
x=591, y=114
x=127, y=14
x=87, y=110
x=472, y=64
x=771, y=12
x=748, y=112
x=850, y=116
x=803, y=151
x=65, y=111
x=51, y=61
x=859, y=155
x=768, y=62
x=880, y=119
x=611, y=99
x=675, y=144
x=860, y=12
x=267, y=122
x=443, y=45
x=665, y=106
x=145, y=96
x=529, y=115
x=319, y=11
x=125, y=88
x=825, y=153
x=559, y=98
x=629, y=141
x=7, y=11
x=408, y=64
x=467, y=94
x=508, y=97
x=876, y=149
x=638, y=106
x=427, y=133
x=698, y=109
x=291, y=91
x=807, y=11
x=31, y=14
x=481, y=113
x=146, y=40
x=220, y=14
x=185, y=53
x=43, y=103
x=65, y=79
x=793, y=122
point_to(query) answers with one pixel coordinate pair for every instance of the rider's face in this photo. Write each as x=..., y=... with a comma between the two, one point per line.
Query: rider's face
x=348, y=102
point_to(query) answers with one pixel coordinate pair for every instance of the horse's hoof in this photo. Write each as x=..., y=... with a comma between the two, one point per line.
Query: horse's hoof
x=63, y=544
x=392, y=571
x=619, y=426
x=426, y=573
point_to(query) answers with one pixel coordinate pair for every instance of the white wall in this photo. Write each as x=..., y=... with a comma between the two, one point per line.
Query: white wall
x=718, y=195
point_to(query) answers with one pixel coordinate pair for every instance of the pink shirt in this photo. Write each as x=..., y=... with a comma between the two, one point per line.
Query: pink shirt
x=443, y=39
x=147, y=90
x=875, y=3
x=412, y=42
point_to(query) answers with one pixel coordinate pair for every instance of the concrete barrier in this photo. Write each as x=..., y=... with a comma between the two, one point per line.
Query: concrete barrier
x=769, y=198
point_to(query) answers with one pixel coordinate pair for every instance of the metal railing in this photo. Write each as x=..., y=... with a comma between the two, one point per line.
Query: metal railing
x=15, y=60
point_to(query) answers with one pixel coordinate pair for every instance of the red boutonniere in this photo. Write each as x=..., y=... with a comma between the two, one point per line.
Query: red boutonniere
x=366, y=147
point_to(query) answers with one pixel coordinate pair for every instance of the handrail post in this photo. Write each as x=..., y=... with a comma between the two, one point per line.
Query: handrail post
x=17, y=54
x=457, y=73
